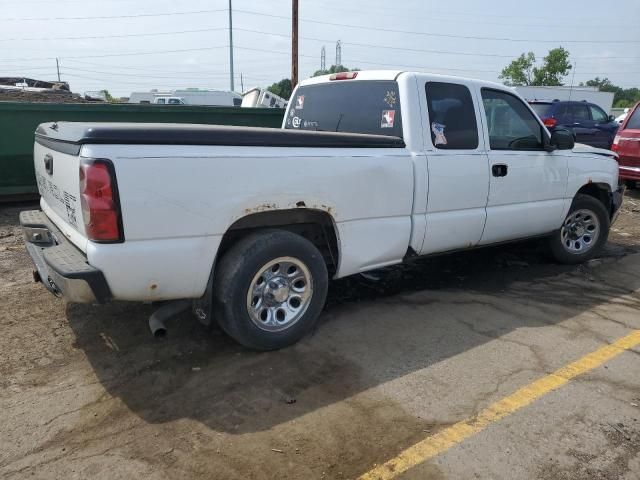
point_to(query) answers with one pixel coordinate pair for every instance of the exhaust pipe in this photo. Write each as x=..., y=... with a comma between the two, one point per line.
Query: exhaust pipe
x=164, y=313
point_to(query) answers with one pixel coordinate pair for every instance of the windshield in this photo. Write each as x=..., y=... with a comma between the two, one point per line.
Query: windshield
x=541, y=109
x=347, y=106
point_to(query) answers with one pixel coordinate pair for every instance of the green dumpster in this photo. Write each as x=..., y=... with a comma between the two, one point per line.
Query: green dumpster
x=18, y=122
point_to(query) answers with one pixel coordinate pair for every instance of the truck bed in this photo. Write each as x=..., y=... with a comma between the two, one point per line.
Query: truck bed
x=73, y=135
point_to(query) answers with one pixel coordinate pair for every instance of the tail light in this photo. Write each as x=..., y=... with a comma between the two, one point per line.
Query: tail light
x=344, y=76
x=616, y=141
x=550, y=122
x=100, y=202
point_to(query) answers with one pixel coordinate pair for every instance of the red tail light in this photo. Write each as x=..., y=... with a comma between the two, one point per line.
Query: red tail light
x=616, y=141
x=100, y=202
x=550, y=122
x=344, y=76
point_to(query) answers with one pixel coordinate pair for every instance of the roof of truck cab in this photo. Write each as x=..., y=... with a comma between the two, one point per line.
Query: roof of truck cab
x=394, y=74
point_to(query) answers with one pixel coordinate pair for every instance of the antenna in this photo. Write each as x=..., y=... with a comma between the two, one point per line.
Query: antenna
x=323, y=58
x=338, y=53
x=573, y=77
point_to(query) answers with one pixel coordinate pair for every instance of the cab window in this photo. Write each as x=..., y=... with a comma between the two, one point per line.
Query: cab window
x=511, y=125
x=634, y=121
x=452, y=118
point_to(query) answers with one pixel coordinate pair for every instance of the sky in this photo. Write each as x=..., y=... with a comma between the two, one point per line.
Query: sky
x=127, y=45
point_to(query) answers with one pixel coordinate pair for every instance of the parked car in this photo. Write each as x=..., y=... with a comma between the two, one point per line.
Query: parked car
x=589, y=123
x=247, y=225
x=627, y=145
x=620, y=118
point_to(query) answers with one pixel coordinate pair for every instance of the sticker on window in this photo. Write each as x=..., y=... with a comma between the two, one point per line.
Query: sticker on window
x=438, y=131
x=387, y=118
x=296, y=122
x=300, y=102
x=390, y=98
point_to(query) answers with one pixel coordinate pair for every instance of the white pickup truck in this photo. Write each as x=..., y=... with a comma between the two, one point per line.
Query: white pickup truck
x=247, y=225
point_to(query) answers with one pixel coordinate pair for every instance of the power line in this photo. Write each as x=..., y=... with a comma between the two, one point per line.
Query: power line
x=216, y=73
x=442, y=35
x=108, y=17
x=118, y=54
x=91, y=37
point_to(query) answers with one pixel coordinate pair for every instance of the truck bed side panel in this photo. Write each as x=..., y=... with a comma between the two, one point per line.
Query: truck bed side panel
x=176, y=193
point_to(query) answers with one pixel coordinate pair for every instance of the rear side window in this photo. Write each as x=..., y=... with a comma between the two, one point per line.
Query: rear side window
x=453, y=119
x=579, y=113
x=347, y=106
x=634, y=121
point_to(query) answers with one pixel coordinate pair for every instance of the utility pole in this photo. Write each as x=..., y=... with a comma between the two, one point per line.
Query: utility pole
x=294, y=43
x=338, y=53
x=230, y=49
x=323, y=58
x=58, y=68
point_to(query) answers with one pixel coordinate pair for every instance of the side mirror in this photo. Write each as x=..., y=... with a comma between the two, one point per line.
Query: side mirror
x=612, y=118
x=562, y=139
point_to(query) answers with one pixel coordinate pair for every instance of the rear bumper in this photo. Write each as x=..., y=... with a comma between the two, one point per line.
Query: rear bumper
x=60, y=266
x=629, y=173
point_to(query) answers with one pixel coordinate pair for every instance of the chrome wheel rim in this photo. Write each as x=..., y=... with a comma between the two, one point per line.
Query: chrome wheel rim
x=279, y=294
x=580, y=231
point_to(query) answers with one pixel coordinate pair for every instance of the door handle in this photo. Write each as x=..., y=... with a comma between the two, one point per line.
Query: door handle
x=499, y=170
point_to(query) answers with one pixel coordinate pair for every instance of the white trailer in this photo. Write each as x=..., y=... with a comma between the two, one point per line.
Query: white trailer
x=590, y=94
x=257, y=97
x=190, y=97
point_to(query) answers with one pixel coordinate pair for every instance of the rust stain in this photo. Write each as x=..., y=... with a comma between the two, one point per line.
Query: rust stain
x=260, y=208
x=153, y=286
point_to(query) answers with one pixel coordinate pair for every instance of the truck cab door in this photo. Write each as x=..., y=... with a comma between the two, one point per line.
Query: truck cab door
x=457, y=165
x=527, y=184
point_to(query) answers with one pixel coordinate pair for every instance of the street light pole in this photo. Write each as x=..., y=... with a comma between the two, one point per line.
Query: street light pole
x=230, y=48
x=294, y=43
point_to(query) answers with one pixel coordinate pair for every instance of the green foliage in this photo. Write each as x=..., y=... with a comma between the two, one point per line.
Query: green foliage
x=622, y=98
x=334, y=69
x=108, y=97
x=522, y=71
x=282, y=88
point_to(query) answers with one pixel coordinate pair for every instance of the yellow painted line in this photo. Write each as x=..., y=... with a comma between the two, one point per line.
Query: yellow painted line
x=453, y=435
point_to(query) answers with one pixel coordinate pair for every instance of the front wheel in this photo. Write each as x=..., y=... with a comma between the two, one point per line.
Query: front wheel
x=583, y=232
x=269, y=289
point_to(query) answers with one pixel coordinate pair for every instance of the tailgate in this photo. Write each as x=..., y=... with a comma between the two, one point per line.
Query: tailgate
x=57, y=170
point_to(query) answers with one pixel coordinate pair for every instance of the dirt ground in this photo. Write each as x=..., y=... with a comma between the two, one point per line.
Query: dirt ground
x=86, y=392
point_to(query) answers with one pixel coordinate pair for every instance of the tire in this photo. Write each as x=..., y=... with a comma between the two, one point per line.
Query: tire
x=285, y=273
x=583, y=232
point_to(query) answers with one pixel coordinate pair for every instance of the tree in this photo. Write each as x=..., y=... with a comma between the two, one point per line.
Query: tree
x=555, y=67
x=622, y=97
x=522, y=71
x=282, y=88
x=334, y=69
x=108, y=97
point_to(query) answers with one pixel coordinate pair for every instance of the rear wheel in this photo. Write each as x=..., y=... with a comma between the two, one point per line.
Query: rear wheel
x=583, y=232
x=269, y=289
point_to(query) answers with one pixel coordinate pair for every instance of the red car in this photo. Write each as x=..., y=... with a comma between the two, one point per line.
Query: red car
x=627, y=144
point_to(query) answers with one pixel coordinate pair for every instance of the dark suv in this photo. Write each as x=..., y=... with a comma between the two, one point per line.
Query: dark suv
x=588, y=122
